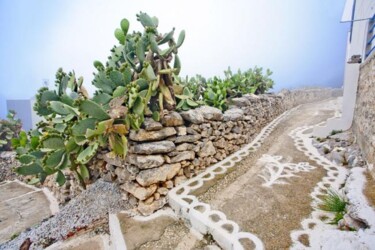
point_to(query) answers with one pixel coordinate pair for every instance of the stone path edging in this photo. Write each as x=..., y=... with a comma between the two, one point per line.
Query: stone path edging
x=336, y=176
x=200, y=215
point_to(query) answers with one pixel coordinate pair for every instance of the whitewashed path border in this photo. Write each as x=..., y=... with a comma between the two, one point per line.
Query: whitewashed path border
x=200, y=215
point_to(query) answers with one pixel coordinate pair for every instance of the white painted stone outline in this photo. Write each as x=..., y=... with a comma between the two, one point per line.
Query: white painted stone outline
x=200, y=215
x=274, y=170
x=336, y=176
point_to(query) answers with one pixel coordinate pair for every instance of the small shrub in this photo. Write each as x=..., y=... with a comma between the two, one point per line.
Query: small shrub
x=9, y=129
x=333, y=202
x=333, y=132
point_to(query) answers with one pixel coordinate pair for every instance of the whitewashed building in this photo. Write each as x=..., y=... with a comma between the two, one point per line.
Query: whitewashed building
x=360, y=45
x=24, y=111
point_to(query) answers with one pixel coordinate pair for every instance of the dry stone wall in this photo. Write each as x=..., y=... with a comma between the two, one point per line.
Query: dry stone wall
x=364, y=115
x=166, y=153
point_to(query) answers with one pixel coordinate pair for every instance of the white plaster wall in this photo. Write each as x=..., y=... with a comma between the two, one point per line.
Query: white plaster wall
x=357, y=45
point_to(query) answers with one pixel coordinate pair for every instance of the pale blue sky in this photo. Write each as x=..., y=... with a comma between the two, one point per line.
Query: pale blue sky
x=303, y=42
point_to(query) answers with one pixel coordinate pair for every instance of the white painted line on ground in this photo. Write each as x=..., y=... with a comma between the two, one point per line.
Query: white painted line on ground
x=117, y=238
x=200, y=215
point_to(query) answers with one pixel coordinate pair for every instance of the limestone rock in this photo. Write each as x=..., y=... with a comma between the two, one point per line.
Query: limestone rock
x=221, y=143
x=163, y=190
x=241, y=102
x=150, y=125
x=145, y=161
x=142, y=193
x=144, y=135
x=148, y=209
x=207, y=149
x=211, y=113
x=172, y=119
x=193, y=115
x=154, y=147
x=185, y=147
x=183, y=156
x=234, y=114
x=113, y=160
x=123, y=175
x=181, y=130
x=155, y=175
x=187, y=138
x=179, y=179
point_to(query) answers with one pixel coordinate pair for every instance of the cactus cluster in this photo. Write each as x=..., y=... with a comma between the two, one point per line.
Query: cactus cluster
x=137, y=80
x=9, y=128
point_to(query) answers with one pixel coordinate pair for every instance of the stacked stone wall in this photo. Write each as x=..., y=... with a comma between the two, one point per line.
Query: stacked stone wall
x=364, y=115
x=163, y=154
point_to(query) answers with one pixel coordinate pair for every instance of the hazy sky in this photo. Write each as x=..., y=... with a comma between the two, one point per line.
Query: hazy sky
x=302, y=42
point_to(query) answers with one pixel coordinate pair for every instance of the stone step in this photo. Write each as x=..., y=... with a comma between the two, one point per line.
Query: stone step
x=22, y=206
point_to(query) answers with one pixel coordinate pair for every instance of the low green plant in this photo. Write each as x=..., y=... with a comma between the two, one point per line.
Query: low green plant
x=334, y=132
x=335, y=203
x=251, y=81
x=216, y=93
x=9, y=128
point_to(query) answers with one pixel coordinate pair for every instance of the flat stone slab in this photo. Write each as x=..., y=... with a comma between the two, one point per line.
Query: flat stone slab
x=136, y=233
x=21, y=212
x=83, y=242
x=13, y=189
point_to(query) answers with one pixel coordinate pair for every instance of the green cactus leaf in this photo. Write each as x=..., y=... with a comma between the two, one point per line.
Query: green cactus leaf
x=146, y=20
x=153, y=44
x=119, y=91
x=79, y=129
x=53, y=142
x=60, y=127
x=140, y=51
x=65, y=162
x=84, y=172
x=101, y=82
x=155, y=20
x=148, y=73
x=63, y=119
x=124, y=24
x=180, y=104
x=62, y=108
x=71, y=145
x=31, y=169
x=118, y=144
x=80, y=140
x=94, y=110
x=63, y=85
x=192, y=103
x=180, y=39
x=42, y=100
x=182, y=97
x=102, y=98
x=26, y=159
x=142, y=83
x=138, y=107
x=98, y=65
x=166, y=37
x=177, y=65
x=86, y=155
x=60, y=178
x=119, y=34
x=156, y=116
x=54, y=159
x=127, y=76
x=117, y=77
x=166, y=52
x=34, y=142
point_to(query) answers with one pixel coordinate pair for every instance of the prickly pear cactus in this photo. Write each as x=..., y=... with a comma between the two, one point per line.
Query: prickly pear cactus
x=137, y=80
